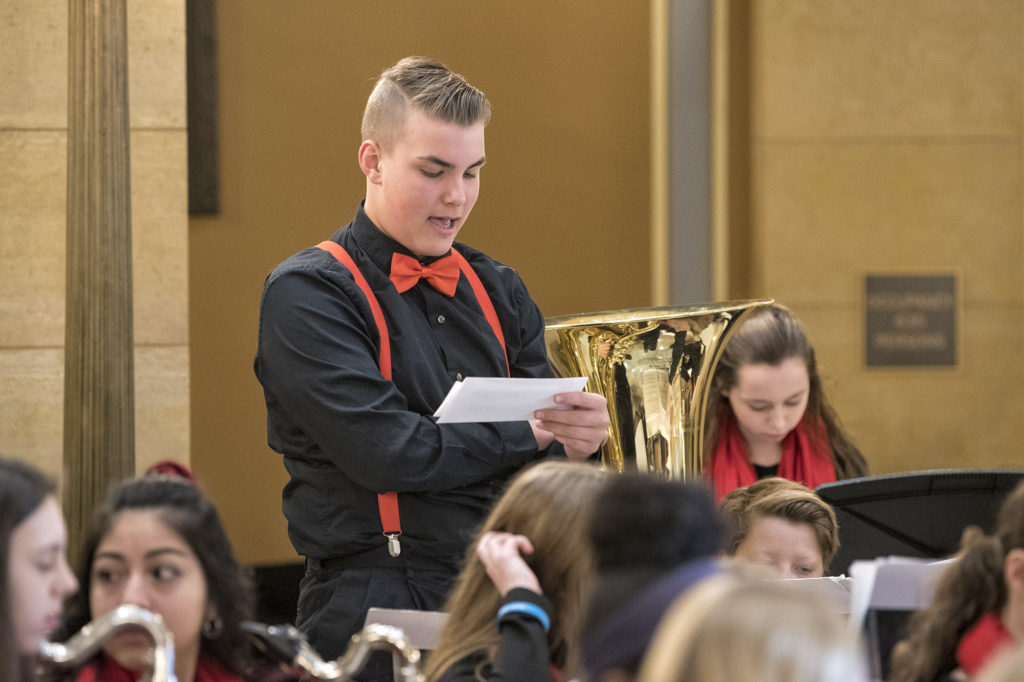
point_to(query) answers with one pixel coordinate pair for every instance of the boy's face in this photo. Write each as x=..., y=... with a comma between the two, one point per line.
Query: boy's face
x=426, y=183
x=788, y=547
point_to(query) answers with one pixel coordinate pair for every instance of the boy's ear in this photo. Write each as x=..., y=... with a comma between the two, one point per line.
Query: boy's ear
x=369, y=160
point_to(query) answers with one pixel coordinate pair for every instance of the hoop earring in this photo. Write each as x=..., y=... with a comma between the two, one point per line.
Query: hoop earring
x=213, y=627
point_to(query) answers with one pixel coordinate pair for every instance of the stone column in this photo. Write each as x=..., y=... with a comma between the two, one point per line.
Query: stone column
x=99, y=403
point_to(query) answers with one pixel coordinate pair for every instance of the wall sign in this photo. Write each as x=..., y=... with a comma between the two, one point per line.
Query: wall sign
x=910, y=320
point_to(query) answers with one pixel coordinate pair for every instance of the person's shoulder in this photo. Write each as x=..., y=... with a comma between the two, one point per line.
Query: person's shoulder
x=311, y=256
x=475, y=256
x=313, y=277
x=310, y=261
x=487, y=267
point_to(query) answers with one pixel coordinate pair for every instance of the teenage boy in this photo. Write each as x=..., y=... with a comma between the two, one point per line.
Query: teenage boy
x=358, y=345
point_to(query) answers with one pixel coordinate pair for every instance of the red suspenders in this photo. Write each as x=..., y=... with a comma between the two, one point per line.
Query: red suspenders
x=387, y=502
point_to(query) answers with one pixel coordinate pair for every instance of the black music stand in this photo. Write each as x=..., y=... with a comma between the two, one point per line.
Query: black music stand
x=917, y=514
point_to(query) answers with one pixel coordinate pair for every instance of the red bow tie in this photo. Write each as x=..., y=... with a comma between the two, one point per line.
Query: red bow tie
x=442, y=274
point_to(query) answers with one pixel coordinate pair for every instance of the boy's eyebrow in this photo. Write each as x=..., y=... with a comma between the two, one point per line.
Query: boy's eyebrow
x=446, y=164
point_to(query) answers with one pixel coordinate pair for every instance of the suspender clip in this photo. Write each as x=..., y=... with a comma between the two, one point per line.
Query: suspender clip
x=394, y=548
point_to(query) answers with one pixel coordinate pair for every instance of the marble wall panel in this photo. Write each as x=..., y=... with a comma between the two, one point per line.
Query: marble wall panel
x=827, y=214
x=875, y=67
x=32, y=196
x=160, y=236
x=33, y=123
x=887, y=138
x=31, y=406
x=161, y=404
x=32, y=237
x=156, y=63
x=903, y=419
x=33, y=64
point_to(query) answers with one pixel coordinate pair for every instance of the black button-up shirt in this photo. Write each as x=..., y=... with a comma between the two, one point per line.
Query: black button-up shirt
x=347, y=434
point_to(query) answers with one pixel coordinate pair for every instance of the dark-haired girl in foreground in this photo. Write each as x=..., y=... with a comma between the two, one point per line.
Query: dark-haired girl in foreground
x=158, y=543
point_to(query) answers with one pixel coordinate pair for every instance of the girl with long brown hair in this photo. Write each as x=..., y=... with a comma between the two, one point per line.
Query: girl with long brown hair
x=767, y=411
x=528, y=570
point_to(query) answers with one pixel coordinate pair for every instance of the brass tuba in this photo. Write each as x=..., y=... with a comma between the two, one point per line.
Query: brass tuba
x=654, y=367
x=91, y=637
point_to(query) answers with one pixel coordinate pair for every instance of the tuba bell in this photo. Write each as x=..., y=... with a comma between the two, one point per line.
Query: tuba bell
x=91, y=637
x=654, y=367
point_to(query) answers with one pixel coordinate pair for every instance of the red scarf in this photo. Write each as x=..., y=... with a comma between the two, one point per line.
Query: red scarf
x=987, y=637
x=106, y=669
x=805, y=458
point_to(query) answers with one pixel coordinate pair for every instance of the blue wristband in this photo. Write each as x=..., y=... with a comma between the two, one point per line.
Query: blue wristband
x=527, y=608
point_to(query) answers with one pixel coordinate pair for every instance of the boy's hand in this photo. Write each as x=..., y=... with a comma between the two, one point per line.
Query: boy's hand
x=582, y=429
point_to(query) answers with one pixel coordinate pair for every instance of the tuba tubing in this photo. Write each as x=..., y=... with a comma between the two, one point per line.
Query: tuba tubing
x=654, y=367
x=91, y=637
x=286, y=644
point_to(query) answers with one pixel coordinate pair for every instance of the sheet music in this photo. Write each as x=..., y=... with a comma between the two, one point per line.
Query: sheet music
x=497, y=399
x=837, y=590
x=893, y=583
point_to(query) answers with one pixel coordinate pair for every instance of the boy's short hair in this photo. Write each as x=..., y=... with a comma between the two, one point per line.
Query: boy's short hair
x=783, y=499
x=426, y=85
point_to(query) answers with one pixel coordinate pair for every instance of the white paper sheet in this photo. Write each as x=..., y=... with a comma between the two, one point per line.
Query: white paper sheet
x=836, y=589
x=893, y=583
x=496, y=399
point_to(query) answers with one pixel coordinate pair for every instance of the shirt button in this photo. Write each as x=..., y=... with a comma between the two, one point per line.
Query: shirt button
x=441, y=319
x=459, y=376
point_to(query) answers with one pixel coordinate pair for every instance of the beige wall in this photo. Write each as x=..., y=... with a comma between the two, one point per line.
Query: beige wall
x=33, y=184
x=564, y=193
x=885, y=137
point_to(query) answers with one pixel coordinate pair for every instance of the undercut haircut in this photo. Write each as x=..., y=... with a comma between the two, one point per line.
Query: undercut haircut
x=428, y=86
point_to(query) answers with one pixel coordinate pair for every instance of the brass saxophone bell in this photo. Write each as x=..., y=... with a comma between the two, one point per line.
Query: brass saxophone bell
x=287, y=646
x=91, y=637
x=654, y=367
